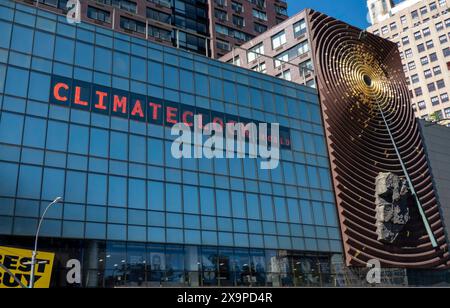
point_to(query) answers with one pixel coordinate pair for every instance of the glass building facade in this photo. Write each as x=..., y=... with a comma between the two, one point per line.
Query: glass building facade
x=132, y=214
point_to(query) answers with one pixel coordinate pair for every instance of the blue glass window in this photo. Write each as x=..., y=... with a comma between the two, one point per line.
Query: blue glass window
x=57, y=136
x=207, y=201
x=190, y=199
x=75, y=187
x=223, y=203
x=29, y=182
x=22, y=39
x=117, y=215
x=155, y=151
x=280, y=209
x=103, y=58
x=136, y=194
x=11, y=127
x=99, y=142
x=84, y=55
x=171, y=77
x=137, y=149
x=78, y=139
x=119, y=146
x=6, y=34
x=117, y=194
x=53, y=184
x=155, y=191
x=8, y=178
x=16, y=82
x=43, y=44
x=305, y=210
x=253, y=207
x=238, y=202
x=97, y=191
x=138, y=69
x=267, y=207
x=155, y=73
x=121, y=64
x=64, y=50
x=39, y=82
x=173, y=197
x=186, y=81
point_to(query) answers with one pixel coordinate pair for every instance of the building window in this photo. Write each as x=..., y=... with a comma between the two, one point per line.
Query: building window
x=414, y=14
x=443, y=39
x=421, y=48
x=221, y=15
x=437, y=70
x=97, y=14
x=405, y=40
x=261, y=67
x=447, y=113
x=433, y=6
x=260, y=28
x=292, y=53
x=428, y=74
x=444, y=98
x=132, y=25
x=440, y=84
x=426, y=32
x=435, y=101
x=424, y=60
x=447, y=23
x=255, y=52
x=238, y=21
x=121, y=4
x=431, y=87
x=408, y=53
x=446, y=52
x=418, y=92
x=403, y=20
x=412, y=65
x=415, y=78
x=430, y=44
x=260, y=15
x=278, y=40
x=260, y=3
x=433, y=57
x=422, y=105
x=237, y=7
x=159, y=16
x=222, y=3
x=423, y=10
x=223, y=45
x=286, y=75
x=165, y=3
x=439, y=26
x=417, y=35
x=281, y=10
x=162, y=34
x=393, y=26
x=384, y=30
x=299, y=28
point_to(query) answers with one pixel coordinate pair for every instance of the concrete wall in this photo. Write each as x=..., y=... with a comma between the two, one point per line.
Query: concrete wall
x=437, y=143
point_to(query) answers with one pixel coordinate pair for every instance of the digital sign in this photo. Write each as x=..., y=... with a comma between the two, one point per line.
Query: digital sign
x=113, y=102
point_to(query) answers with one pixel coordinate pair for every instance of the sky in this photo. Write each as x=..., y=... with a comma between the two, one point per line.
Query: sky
x=353, y=12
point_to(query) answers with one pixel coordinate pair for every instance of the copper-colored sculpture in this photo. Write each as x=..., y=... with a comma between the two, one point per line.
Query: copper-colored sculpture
x=371, y=128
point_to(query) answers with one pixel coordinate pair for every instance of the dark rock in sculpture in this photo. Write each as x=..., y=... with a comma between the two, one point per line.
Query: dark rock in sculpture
x=392, y=198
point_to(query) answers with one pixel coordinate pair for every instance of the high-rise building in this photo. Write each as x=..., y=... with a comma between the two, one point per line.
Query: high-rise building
x=421, y=29
x=283, y=51
x=234, y=22
x=208, y=27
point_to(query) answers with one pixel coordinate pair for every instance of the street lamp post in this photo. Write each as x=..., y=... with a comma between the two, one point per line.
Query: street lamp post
x=33, y=258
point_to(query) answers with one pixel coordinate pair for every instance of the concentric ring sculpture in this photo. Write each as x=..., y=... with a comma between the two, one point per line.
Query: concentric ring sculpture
x=368, y=116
